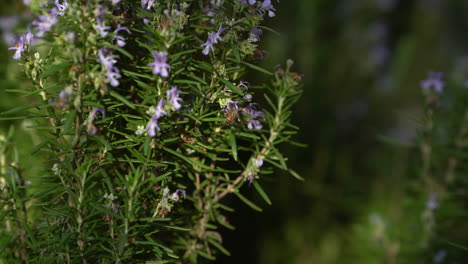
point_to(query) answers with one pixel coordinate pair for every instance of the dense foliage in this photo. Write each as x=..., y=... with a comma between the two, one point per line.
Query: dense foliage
x=147, y=120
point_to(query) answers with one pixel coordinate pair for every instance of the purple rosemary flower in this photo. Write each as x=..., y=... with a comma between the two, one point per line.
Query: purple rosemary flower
x=60, y=8
x=112, y=77
x=175, y=195
x=217, y=35
x=98, y=110
x=101, y=29
x=147, y=4
x=208, y=45
x=212, y=39
x=434, y=81
x=44, y=23
x=267, y=6
x=254, y=124
x=157, y=112
x=245, y=2
x=245, y=85
x=120, y=39
x=20, y=46
x=250, y=178
x=173, y=97
x=152, y=126
x=209, y=11
x=159, y=109
x=432, y=203
x=255, y=34
x=107, y=61
x=251, y=110
x=160, y=65
x=259, y=163
x=112, y=72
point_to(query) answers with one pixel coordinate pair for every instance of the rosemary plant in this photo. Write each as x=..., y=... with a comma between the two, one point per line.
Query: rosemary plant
x=147, y=122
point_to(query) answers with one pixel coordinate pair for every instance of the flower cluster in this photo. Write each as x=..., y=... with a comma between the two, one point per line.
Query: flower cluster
x=156, y=112
x=42, y=24
x=103, y=77
x=45, y=22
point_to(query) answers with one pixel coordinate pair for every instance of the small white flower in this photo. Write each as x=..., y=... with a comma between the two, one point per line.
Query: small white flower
x=140, y=130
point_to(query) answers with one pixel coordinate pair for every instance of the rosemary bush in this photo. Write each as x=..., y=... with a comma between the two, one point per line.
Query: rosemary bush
x=147, y=121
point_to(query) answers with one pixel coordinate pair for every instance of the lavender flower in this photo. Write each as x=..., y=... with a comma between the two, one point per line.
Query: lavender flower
x=160, y=65
x=20, y=46
x=173, y=97
x=434, y=81
x=44, y=23
x=120, y=39
x=212, y=39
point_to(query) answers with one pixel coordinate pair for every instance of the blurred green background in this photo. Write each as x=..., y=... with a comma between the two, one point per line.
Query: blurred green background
x=362, y=61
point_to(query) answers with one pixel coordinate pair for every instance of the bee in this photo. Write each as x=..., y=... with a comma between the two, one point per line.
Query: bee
x=259, y=54
x=232, y=113
x=296, y=76
x=187, y=139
